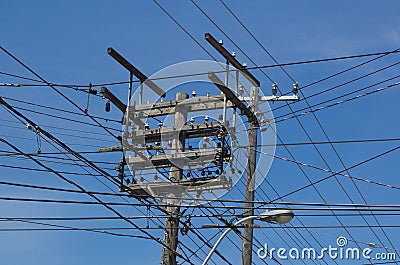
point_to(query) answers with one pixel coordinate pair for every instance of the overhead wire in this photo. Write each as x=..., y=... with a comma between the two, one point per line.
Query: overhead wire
x=341, y=84
x=295, y=116
x=178, y=23
x=76, y=86
x=107, y=206
x=317, y=120
x=243, y=53
x=330, y=171
x=343, y=95
x=55, y=89
x=62, y=228
x=58, y=109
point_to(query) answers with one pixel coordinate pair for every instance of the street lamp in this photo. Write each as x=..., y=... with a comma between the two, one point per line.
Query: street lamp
x=275, y=216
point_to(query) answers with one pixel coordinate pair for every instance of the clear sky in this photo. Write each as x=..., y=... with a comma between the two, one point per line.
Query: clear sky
x=66, y=43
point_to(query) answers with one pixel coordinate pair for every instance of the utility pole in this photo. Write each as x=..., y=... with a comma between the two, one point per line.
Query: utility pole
x=251, y=112
x=143, y=139
x=150, y=145
x=247, y=243
x=173, y=209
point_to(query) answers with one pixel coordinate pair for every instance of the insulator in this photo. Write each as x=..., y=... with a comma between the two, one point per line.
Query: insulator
x=295, y=88
x=274, y=89
x=241, y=90
x=108, y=106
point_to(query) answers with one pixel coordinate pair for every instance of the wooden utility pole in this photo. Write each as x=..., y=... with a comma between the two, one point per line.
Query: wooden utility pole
x=175, y=175
x=251, y=113
x=247, y=243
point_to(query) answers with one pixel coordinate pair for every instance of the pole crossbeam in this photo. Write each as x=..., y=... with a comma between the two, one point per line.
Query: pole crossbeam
x=231, y=59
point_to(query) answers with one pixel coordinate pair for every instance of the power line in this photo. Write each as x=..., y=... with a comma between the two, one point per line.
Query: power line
x=194, y=228
x=330, y=171
x=343, y=95
x=76, y=86
x=58, y=109
x=99, y=201
x=338, y=103
x=348, y=168
x=63, y=228
x=105, y=218
x=316, y=118
x=343, y=84
x=55, y=89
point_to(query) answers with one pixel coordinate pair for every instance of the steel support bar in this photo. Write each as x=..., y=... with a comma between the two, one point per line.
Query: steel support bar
x=133, y=70
x=279, y=98
x=228, y=56
x=195, y=104
x=167, y=133
x=190, y=158
x=183, y=186
x=176, y=102
x=194, y=108
x=272, y=98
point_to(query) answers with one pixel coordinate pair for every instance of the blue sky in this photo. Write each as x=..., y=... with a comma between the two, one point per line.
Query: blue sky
x=66, y=42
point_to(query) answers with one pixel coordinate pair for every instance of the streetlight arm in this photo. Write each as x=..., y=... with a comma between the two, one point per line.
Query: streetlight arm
x=223, y=235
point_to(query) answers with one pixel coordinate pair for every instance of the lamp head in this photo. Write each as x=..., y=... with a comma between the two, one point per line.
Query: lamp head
x=281, y=216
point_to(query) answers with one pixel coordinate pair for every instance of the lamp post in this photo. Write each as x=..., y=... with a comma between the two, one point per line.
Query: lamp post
x=275, y=216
